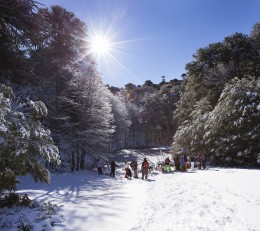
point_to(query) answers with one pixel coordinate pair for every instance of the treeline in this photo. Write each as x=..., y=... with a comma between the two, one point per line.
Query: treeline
x=219, y=108
x=45, y=58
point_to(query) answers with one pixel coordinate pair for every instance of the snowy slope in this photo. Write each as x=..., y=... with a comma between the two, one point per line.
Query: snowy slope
x=213, y=199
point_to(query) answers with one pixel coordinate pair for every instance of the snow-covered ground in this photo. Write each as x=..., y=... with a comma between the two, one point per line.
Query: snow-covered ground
x=213, y=199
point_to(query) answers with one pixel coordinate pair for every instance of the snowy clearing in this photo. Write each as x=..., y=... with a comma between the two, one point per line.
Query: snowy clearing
x=214, y=199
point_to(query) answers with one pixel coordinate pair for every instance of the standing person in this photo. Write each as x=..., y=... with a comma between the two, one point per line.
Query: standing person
x=200, y=157
x=128, y=172
x=192, y=160
x=167, y=167
x=113, y=168
x=145, y=167
x=134, y=167
x=182, y=162
x=185, y=163
x=99, y=167
x=177, y=163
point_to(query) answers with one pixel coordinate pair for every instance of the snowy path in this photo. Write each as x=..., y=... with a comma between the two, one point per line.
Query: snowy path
x=215, y=199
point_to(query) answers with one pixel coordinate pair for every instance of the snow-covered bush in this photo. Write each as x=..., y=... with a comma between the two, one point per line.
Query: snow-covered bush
x=33, y=216
x=25, y=145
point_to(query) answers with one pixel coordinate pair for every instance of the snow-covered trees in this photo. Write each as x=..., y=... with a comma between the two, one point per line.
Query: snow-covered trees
x=44, y=51
x=189, y=137
x=91, y=102
x=228, y=132
x=157, y=112
x=218, y=109
x=86, y=107
x=232, y=129
x=25, y=145
x=121, y=122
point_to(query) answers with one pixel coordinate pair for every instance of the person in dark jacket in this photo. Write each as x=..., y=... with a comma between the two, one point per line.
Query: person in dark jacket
x=99, y=167
x=182, y=162
x=185, y=163
x=200, y=158
x=167, y=167
x=177, y=163
x=145, y=167
x=204, y=161
x=113, y=168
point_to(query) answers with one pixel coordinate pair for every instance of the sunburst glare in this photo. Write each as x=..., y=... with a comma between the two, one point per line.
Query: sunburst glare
x=109, y=52
x=100, y=45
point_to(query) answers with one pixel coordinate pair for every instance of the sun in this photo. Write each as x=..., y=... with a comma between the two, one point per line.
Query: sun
x=107, y=50
x=100, y=45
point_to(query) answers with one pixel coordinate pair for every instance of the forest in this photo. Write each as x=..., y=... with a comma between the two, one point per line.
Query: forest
x=55, y=110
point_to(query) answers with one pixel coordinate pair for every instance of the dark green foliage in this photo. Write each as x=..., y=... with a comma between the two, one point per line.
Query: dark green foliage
x=15, y=23
x=157, y=113
x=214, y=66
x=10, y=200
x=8, y=179
x=13, y=199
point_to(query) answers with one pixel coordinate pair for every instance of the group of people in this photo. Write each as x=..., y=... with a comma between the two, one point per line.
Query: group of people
x=180, y=163
x=183, y=162
x=133, y=166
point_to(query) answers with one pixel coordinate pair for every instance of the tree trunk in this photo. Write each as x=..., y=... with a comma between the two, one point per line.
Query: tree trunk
x=72, y=161
x=78, y=158
x=82, y=160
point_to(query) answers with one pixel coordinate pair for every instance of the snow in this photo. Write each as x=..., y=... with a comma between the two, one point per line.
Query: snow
x=3, y=128
x=212, y=199
x=2, y=140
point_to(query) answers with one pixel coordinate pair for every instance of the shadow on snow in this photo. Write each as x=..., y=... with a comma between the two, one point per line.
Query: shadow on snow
x=81, y=191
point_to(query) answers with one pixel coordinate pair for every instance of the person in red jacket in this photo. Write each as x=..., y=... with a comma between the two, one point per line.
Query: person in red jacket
x=145, y=167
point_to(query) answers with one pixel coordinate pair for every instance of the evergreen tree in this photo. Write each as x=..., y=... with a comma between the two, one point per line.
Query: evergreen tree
x=25, y=145
x=86, y=104
x=232, y=129
x=255, y=35
x=189, y=138
x=15, y=24
x=122, y=122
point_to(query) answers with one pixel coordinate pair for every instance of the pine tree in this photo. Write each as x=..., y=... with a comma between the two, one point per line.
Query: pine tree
x=189, y=137
x=25, y=145
x=232, y=129
x=86, y=106
x=122, y=122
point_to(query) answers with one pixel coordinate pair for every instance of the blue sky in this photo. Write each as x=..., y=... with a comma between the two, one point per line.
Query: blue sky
x=154, y=38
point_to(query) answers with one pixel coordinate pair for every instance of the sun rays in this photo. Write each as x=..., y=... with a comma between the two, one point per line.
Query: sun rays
x=109, y=52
